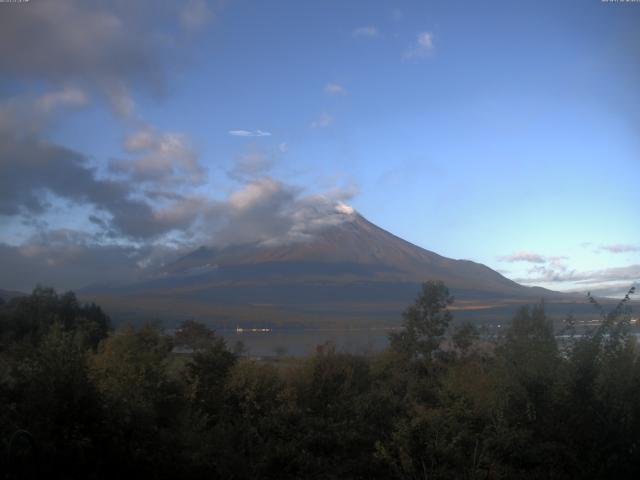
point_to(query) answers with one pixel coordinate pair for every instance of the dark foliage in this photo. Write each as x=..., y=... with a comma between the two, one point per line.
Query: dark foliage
x=79, y=401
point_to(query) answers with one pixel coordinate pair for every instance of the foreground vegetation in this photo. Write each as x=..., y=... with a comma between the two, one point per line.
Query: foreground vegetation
x=81, y=401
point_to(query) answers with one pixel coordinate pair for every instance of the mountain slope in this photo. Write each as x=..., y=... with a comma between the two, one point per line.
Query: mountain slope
x=346, y=273
x=358, y=246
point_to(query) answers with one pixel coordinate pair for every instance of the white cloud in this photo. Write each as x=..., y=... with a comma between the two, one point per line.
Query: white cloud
x=615, y=290
x=33, y=114
x=334, y=89
x=344, y=208
x=266, y=211
x=629, y=273
x=323, y=121
x=67, y=97
x=523, y=256
x=141, y=139
x=195, y=15
x=255, y=161
x=423, y=46
x=619, y=248
x=166, y=159
x=183, y=211
x=249, y=133
x=366, y=32
x=119, y=98
x=254, y=193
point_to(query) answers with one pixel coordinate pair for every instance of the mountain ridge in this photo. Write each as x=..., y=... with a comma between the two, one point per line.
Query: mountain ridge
x=357, y=241
x=348, y=273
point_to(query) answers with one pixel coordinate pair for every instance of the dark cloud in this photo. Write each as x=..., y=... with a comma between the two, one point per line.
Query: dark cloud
x=67, y=261
x=83, y=49
x=31, y=167
x=69, y=40
x=145, y=201
x=59, y=39
x=83, y=42
x=69, y=43
x=262, y=211
x=109, y=47
x=71, y=259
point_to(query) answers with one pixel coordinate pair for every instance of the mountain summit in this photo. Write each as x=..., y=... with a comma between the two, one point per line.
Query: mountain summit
x=344, y=269
x=353, y=247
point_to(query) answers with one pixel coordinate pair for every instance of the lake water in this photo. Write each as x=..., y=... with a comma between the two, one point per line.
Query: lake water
x=298, y=342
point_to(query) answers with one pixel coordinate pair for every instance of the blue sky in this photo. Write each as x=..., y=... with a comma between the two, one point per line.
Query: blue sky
x=503, y=132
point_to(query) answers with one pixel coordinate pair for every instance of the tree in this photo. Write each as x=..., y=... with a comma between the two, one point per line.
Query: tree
x=195, y=336
x=29, y=318
x=50, y=396
x=529, y=394
x=425, y=322
x=143, y=403
x=207, y=372
x=464, y=337
x=603, y=383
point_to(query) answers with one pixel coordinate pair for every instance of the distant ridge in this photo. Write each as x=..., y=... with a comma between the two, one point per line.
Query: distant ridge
x=7, y=295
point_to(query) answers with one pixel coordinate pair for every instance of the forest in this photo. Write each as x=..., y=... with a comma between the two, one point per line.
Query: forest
x=80, y=399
